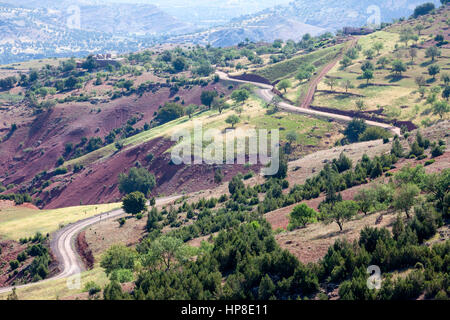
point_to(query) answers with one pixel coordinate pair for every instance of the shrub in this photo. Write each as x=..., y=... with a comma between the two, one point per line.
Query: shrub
x=92, y=288
x=117, y=257
x=354, y=129
x=60, y=171
x=137, y=179
x=437, y=151
x=170, y=111
x=22, y=256
x=374, y=133
x=134, y=203
x=14, y=264
x=301, y=216
x=122, y=275
x=149, y=157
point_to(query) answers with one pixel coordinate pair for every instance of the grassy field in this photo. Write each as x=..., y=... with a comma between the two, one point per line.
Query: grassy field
x=288, y=68
x=57, y=289
x=399, y=97
x=17, y=222
x=10, y=98
x=253, y=108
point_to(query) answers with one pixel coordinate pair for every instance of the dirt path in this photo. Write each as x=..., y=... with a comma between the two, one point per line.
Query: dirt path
x=313, y=86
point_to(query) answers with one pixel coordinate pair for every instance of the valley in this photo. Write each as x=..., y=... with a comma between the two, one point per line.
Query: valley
x=94, y=206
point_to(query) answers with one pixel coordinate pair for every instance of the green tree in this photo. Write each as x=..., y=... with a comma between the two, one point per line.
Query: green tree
x=219, y=105
x=190, y=110
x=331, y=82
x=113, y=291
x=301, y=216
x=284, y=85
x=240, y=95
x=434, y=70
x=432, y=52
x=383, y=62
x=368, y=75
x=233, y=120
x=118, y=257
x=370, y=54
x=346, y=62
x=179, y=64
x=339, y=212
x=354, y=129
x=405, y=198
x=266, y=288
x=366, y=199
x=153, y=219
x=166, y=253
x=397, y=149
x=89, y=64
x=441, y=108
x=207, y=97
x=406, y=35
x=378, y=46
x=423, y=9
x=292, y=136
x=398, y=67
x=445, y=77
x=137, y=179
x=347, y=84
x=419, y=28
x=134, y=203
x=70, y=83
x=446, y=93
x=170, y=111
x=305, y=73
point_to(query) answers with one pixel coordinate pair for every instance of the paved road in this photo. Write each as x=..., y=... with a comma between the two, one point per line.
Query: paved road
x=62, y=244
x=265, y=92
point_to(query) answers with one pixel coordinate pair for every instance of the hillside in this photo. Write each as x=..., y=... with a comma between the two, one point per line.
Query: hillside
x=92, y=187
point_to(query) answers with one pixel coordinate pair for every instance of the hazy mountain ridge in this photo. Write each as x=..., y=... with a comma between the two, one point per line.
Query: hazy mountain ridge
x=37, y=29
x=292, y=21
x=31, y=32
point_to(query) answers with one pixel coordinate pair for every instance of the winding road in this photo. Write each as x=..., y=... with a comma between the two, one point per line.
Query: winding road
x=62, y=244
x=265, y=92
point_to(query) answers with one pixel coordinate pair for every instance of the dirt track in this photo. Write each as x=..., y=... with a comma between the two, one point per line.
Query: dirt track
x=315, y=82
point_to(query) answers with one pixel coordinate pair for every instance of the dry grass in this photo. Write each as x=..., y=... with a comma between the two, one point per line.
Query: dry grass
x=312, y=243
x=19, y=222
x=57, y=289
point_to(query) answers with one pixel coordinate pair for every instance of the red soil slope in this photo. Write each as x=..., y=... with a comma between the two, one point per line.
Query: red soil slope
x=35, y=146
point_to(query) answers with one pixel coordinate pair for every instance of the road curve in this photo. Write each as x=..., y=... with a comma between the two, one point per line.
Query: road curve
x=265, y=92
x=62, y=244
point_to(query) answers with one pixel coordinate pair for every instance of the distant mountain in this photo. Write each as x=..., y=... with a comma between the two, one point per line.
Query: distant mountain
x=292, y=21
x=33, y=29
x=109, y=17
x=39, y=29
